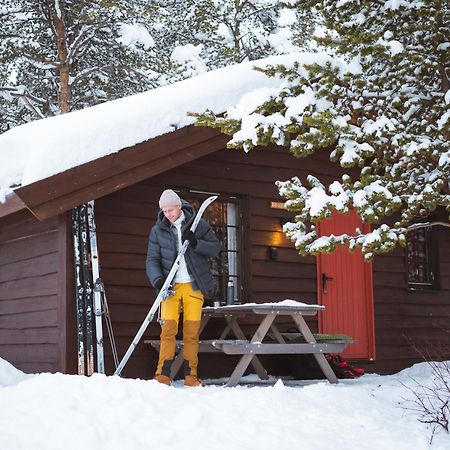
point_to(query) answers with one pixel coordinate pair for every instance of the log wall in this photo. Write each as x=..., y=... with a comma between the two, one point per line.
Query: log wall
x=402, y=317
x=37, y=312
x=410, y=323
x=32, y=292
x=124, y=220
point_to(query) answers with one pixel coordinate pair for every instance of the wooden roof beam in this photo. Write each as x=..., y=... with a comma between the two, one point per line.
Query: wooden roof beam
x=61, y=192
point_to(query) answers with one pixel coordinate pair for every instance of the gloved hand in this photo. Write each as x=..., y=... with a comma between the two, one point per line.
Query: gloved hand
x=188, y=235
x=158, y=284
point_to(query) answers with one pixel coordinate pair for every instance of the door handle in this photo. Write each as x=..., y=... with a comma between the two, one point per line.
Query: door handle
x=325, y=279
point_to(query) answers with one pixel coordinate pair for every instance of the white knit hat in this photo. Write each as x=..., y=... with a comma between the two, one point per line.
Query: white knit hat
x=169, y=198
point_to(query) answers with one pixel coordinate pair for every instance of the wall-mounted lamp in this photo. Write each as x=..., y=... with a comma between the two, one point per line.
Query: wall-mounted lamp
x=272, y=253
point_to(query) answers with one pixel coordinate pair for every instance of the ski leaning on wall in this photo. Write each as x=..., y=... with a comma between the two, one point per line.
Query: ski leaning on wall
x=90, y=298
x=100, y=304
x=79, y=290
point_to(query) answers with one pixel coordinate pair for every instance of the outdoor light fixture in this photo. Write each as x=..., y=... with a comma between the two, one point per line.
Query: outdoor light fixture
x=272, y=252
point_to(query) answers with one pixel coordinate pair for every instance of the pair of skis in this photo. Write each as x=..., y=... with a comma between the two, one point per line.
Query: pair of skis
x=89, y=293
x=164, y=292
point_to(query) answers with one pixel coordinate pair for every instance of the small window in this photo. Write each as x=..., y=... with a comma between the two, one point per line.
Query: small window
x=421, y=259
x=223, y=216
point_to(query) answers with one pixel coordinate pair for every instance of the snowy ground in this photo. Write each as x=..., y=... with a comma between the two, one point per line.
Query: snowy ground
x=54, y=411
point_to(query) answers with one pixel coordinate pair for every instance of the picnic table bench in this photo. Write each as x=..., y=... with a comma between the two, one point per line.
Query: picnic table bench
x=302, y=341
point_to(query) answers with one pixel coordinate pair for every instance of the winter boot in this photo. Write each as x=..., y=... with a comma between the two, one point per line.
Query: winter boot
x=190, y=378
x=164, y=376
x=192, y=381
x=163, y=379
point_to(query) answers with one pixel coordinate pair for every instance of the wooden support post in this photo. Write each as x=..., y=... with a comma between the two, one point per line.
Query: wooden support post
x=255, y=362
x=246, y=359
x=320, y=358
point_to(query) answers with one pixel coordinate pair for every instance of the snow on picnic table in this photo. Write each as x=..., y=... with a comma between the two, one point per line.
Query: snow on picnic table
x=284, y=304
x=54, y=411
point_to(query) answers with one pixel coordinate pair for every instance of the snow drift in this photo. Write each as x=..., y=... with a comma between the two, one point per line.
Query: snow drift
x=9, y=375
x=55, y=411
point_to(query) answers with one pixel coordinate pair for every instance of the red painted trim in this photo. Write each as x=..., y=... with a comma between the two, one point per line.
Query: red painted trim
x=368, y=269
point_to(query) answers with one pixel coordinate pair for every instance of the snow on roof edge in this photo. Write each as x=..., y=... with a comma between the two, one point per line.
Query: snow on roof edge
x=45, y=147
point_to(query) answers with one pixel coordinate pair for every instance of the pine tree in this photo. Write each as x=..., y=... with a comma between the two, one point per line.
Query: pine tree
x=105, y=49
x=198, y=35
x=61, y=55
x=380, y=101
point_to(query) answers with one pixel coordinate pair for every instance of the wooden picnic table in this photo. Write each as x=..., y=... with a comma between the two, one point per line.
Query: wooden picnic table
x=249, y=348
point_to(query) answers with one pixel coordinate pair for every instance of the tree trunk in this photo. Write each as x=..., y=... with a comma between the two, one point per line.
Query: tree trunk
x=64, y=93
x=442, y=64
x=237, y=31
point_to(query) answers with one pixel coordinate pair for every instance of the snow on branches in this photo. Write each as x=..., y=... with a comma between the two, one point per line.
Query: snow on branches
x=60, y=56
x=381, y=106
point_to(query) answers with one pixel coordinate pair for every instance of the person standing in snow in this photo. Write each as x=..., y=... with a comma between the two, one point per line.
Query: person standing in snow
x=192, y=281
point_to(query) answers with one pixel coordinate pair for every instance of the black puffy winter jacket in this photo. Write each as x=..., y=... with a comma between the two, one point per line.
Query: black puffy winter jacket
x=162, y=250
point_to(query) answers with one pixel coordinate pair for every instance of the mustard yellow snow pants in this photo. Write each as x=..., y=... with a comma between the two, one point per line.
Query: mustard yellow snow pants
x=191, y=302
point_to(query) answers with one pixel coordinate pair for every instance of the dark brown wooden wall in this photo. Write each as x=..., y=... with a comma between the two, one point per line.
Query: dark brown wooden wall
x=124, y=220
x=36, y=271
x=32, y=283
x=408, y=323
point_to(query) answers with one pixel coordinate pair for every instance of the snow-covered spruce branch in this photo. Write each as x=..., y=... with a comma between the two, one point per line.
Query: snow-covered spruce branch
x=371, y=202
x=86, y=34
x=30, y=101
x=84, y=74
x=9, y=35
x=29, y=105
x=10, y=14
x=380, y=240
x=110, y=68
x=40, y=62
x=417, y=226
x=308, y=242
x=107, y=68
x=314, y=204
x=255, y=11
x=86, y=99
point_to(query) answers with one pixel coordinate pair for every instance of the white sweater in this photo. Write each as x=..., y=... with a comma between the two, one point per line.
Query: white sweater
x=182, y=275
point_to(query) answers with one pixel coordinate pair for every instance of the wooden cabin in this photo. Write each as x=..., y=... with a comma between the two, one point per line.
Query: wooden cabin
x=393, y=306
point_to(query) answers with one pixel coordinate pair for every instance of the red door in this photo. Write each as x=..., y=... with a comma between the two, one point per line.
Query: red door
x=344, y=286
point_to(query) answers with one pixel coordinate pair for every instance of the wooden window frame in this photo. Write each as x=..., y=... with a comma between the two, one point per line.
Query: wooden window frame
x=431, y=279
x=241, y=290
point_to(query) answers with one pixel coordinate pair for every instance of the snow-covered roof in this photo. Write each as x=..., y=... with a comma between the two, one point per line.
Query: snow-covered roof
x=40, y=149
